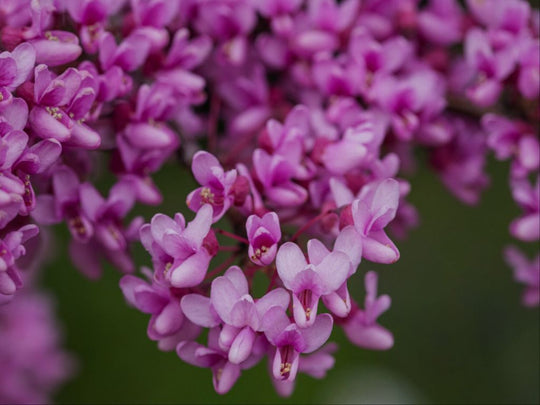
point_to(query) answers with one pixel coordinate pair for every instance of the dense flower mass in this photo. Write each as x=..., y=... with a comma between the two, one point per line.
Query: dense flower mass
x=298, y=120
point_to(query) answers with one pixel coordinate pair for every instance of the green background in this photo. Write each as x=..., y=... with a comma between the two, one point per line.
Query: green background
x=461, y=333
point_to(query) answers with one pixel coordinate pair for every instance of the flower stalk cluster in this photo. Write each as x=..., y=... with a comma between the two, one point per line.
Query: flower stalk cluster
x=299, y=121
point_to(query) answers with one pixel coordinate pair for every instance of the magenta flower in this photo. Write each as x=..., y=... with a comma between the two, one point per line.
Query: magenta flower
x=107, y=215
x=371, y=212
x=526, y=272
x=167, y=325
x=529, y=76
x=514, y=139
x=178, y=251
x=291, y=340
x=492, y=64
x=34, y=364
x=62, y=105
x=231, y=304
x=361, y=327
x=315, y=365
x=263, y=236
x=309, y=281
x=11, y=249
x=128, y=55
x=15, y=67
x=527, y=195
x=64, y=204
x=224, y=372
x=146, y=128
x=350, y=243
x=216, y=185
x=111, y=239
x=441, y=22
x=354, y=149
x=275, y=173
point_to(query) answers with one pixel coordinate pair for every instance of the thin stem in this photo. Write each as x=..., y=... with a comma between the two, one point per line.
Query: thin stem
x=237, y=148
x=232, y=236
x=308, y=224
x=229, y=248
x=215, y=106
x=272, y=280
x=222, y=266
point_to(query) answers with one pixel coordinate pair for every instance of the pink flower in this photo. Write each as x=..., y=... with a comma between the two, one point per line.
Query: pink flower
x=361, y=327
x=167, y=325
x=371, y=212
x=231, y=305
x=526, y=272
x=309, y=281
x=263, y=236
x=216, y=185
x=178, y=251
x=291, y=340
x=11, y=249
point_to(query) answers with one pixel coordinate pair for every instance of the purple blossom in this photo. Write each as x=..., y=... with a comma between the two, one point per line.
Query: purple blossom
x=62, y=105
x=361, y=327
x=11, y=249
x=231, y=304
x=216, y=185
x=15, y=66
x=224, y=372
x=527, y=195
x=167, y=325
x=349, y=242
x=275, y=173
x=291, y=340
x=315, y=365
x=179, y=252
x=526, y=272
x=371, y=213
x=309, y=281
x=263, y=236
x=33, y=362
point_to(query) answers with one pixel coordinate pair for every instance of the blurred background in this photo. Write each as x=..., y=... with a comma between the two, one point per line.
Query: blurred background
x=461, y=333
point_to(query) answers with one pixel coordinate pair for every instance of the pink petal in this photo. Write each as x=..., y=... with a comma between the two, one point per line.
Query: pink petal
x=242, y=346
x=191, y=353
x=289, y=262
x=225, y=377
x=333, y=271
x=197, y=229
x=274, y=322
x=169, y=319
x=373, y=337
x=316, y=251
x=192, y=271
x=238, y=279
x=378, y=248
x=278, y=297
x=350, y=243
x=202, y=166
x=197, y=309
x=224, y=296
x=317, y=334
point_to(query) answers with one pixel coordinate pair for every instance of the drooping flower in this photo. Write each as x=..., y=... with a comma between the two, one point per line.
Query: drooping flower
x=291, y=340
x=263, y=236
x=371, y=212
x=178, y=251
x=526, y=272
x=216, y=185
x=361, y=325
x=309, y=281
x=231, y=305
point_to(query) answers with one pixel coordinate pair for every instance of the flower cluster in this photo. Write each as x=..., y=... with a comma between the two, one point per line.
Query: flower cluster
x=298, y=119
x=33, y=364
